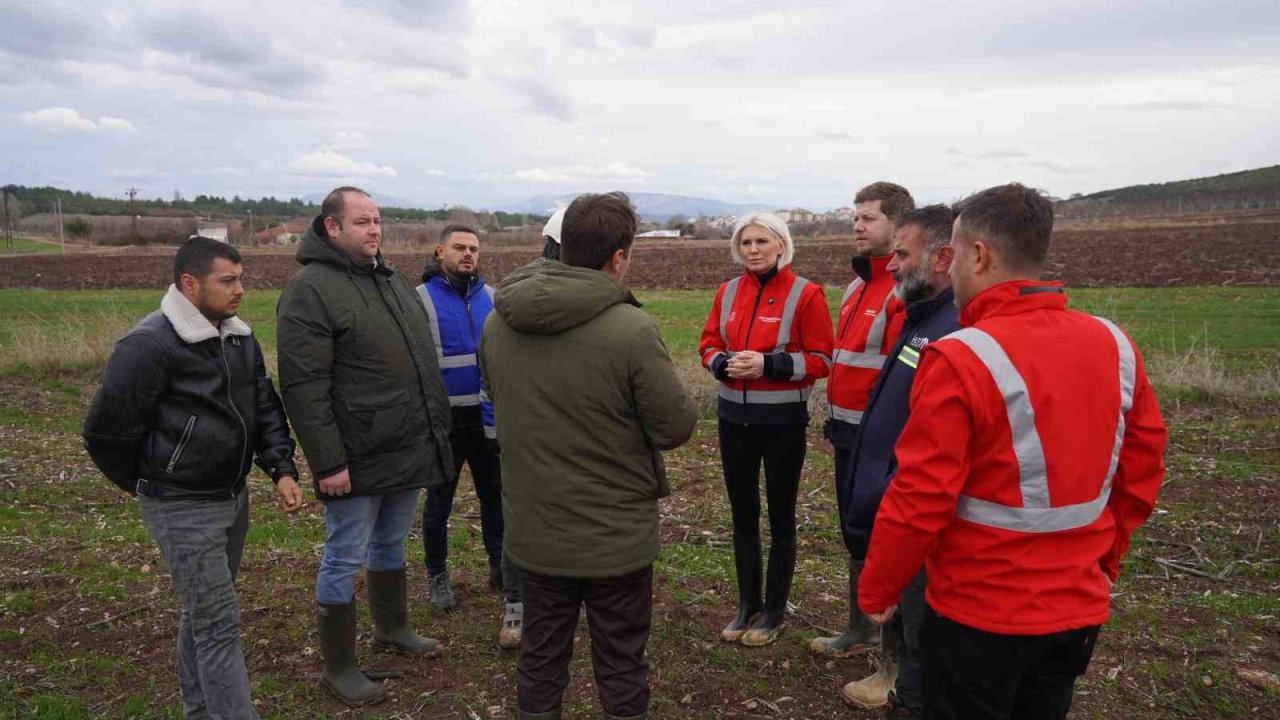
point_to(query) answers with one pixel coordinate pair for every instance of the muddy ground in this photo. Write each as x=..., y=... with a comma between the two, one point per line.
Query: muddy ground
x=1171, y=252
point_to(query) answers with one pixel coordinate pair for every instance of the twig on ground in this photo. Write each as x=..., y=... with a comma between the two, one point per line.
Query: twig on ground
x=1193, y=571
x=117, y=616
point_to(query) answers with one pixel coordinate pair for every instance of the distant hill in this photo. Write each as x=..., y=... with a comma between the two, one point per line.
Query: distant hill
x=653, y=207
x=1246, y=190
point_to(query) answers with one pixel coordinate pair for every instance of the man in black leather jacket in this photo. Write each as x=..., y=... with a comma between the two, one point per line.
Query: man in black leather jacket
x=184, y=408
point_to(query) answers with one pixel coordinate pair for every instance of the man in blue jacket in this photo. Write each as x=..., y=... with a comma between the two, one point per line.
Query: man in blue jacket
x=921, y=258
x=458, y=301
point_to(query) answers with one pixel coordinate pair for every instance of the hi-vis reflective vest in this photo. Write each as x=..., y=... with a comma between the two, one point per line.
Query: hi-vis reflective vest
x=1033, y=451
x=456, y=322
x=864, y=334
x=785, y=318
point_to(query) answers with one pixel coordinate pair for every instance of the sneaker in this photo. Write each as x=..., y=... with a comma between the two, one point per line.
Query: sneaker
x=440, y=591
x=512, y=631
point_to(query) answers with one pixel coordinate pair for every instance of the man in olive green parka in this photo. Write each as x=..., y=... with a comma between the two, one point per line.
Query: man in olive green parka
x=587, y=399
x=362, y=386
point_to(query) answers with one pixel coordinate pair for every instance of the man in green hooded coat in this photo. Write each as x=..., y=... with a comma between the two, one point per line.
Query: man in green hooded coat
x=361, y=383
x=587, y=399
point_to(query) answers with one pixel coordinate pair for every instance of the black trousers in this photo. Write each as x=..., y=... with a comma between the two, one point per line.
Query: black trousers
x=970, y=674
x=468, y=446
x=857, y=547
x=619, y=613
x=781, y=448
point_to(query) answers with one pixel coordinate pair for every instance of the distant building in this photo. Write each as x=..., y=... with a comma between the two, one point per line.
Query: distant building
x=284, y=234
x=213, y=231
x=796, y=215
x=659, y=234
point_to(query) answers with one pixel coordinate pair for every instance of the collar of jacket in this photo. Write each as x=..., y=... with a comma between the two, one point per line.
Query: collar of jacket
x=191, y=324
x=869, y=267
x=781, y=274
x=1013, y=297
x=918, y=311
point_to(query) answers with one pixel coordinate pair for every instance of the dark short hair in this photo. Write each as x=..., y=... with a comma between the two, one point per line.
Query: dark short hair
x=935, y=220
x=596, y=227
x=895, y=200
x=452, y=228
x=335, y=203
x=195, y=257
x=1016, y=220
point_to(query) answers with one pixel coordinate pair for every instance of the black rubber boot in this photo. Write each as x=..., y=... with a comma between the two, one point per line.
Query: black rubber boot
x=782, y=567
x=746, y=558
x=549, y=715
x=495, y=575
x=341, y=675
x=388, y=603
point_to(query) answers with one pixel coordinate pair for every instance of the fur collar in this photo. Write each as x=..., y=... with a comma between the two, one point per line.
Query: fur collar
x=191, y=325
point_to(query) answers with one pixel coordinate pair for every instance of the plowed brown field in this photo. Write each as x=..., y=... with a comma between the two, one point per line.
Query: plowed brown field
x=1170, y=252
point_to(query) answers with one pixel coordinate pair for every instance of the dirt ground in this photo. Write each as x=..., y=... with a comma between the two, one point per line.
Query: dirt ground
x=1165, y=252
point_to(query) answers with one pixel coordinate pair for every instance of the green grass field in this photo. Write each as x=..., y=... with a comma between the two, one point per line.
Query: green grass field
x=26, y=245
x=87, y=616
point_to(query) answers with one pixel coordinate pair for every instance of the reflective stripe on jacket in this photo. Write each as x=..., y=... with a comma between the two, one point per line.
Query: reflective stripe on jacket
x=457, y=319
x=785, y=317
x=864, y=335
x=1034, y=449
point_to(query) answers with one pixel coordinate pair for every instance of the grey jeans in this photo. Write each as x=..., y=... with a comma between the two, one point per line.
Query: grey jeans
x=202, y=541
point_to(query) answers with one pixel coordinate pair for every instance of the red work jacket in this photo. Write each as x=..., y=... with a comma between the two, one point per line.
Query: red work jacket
x=1034, y=449
x=786, y=319
x=864, y=334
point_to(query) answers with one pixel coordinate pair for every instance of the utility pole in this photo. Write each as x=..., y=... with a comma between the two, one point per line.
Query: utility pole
x=62, y=238
x=8, y=218
x=133, y=213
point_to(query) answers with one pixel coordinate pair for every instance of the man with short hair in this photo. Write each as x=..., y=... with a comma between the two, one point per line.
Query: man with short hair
x=359, y=375
x=582, y=455
x=458, y=301
x=921, y=261
x=184, y=409
x=863, y=337
x=1033, y=451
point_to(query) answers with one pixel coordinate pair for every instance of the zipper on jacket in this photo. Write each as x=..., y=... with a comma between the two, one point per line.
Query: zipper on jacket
x=182, y=444
x=244, y=429
x=746, y=343
x=861, y=293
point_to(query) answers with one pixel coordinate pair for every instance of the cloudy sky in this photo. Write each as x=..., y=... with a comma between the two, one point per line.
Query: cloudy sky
x=483, y=102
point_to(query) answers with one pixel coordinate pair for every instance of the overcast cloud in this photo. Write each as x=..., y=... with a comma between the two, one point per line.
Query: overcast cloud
x=782, y=104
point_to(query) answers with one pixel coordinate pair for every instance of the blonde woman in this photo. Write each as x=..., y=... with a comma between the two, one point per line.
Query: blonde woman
x=767, y=340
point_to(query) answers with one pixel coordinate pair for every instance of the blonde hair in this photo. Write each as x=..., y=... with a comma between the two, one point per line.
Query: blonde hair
x=770, y=222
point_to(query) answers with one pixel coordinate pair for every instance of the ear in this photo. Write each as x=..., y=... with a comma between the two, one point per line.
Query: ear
x=983, y=260
x=331, y=226
x=189, y=285
x=941, y=260
x=439, y=249
x=616, y=261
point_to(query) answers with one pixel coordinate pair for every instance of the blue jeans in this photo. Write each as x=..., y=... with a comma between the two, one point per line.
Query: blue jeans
x=366, y=530
x=202, y=541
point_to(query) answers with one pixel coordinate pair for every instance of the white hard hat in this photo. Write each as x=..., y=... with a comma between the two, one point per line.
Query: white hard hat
x=552, y=228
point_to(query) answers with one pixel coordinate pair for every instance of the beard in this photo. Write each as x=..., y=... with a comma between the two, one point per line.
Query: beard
x=914, y=286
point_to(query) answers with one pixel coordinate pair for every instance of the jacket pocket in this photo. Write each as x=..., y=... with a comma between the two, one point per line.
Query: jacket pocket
x=188, y=431
x=373, y=428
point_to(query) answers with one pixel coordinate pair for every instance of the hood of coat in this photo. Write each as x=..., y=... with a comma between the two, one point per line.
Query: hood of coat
x=191, y=324
x=549, y=297
x=316, y=247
